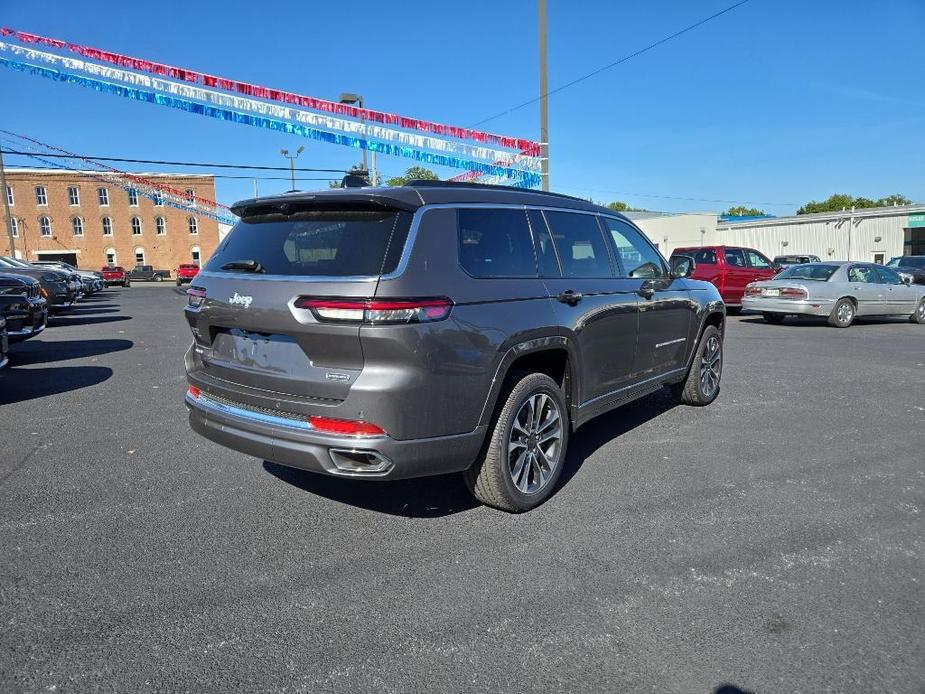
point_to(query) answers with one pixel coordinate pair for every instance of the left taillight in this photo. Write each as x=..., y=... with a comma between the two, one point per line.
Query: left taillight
x=793, y=293
x=376, y=311
x=195, y=296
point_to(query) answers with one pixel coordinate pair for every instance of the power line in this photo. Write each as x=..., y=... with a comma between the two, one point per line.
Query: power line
x=616, y=62
x=174, y=163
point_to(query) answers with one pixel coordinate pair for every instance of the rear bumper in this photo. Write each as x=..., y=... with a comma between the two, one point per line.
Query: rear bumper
x=814, y=307
x=295, y=444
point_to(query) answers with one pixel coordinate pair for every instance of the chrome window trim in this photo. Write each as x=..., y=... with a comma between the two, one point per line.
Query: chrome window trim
x=405, y=258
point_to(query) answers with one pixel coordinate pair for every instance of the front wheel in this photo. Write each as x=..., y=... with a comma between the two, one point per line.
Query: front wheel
x=919, y=315
x=526, y=448
x=842, y=314
x=702, y=383
x=774, y=317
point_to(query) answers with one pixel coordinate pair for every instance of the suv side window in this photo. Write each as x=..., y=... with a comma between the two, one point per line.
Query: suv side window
x=757, y=261
x=580, y=244
x=705, y=257
x=735, y=257
x=542, y=242
x=495, y=243
x=637, y=257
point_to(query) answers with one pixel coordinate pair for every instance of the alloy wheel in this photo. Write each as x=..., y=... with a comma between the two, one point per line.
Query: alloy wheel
x=845, y=312
x=711, y=366
x=535, y=443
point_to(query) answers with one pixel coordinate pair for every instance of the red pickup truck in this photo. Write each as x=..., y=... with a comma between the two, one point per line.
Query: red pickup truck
x=114, y=274
x=730, y=268
x=186, y=272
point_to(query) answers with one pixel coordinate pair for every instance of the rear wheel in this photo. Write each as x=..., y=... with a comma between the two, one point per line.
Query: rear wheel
x=702, y=383
x=526, y=448
x=919, y=315
x=158, y=278
x=774, y=317
x=733, y=310
x=179, y=282
x=842, y=314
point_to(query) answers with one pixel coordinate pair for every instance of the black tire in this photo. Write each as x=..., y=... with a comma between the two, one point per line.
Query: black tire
x=179, y=283
x=158, y=278
x=693, y=390
x=491, y=477
x=843, y=313
x=733, y=310
x=919, y=315
x=774, y=317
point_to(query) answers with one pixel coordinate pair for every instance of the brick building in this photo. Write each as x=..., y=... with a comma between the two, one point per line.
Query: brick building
x=72, y=216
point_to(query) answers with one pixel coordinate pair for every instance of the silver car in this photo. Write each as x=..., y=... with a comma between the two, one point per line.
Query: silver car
x=839, y=290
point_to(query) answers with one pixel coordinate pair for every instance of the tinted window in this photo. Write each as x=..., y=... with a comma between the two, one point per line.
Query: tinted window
x=545, y=251
x=636, y=256
x=911, y=261
x=318, y=242
x=888, y=276
x=705, y=256
x=863, y=273
x=495, y=243
x=735, y=257
x=819, y=273
x=581, y=248
x=757, y=261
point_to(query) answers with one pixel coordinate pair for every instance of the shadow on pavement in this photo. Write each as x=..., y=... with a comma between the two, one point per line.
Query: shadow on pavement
x=38, y=351
x=425, y=497
x=18, y=385
x=604, y=429
x=822, y=322
x=730, y=689
x=65, y=319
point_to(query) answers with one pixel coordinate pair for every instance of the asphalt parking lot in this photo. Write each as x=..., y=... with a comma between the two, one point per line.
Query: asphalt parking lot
x=773, y=541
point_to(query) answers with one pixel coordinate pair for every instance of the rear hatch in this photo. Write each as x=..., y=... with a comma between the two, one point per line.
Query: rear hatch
x=253, y=342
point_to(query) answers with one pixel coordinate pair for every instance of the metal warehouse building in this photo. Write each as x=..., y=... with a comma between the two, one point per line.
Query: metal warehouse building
x=875, y=234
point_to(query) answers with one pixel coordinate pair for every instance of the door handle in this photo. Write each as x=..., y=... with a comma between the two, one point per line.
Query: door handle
x=646, y=290
x=569, y=297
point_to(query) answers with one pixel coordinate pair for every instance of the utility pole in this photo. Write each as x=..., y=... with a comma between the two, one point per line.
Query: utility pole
x=544, y=110
x=7, y=219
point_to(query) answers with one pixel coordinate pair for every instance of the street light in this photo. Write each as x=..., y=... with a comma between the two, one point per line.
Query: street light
x=292, y=158
x=351, y=98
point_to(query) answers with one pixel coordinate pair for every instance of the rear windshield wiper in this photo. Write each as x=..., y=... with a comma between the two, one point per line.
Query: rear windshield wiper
x=246, y=265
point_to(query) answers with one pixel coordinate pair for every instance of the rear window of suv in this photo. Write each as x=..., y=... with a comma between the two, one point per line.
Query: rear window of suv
x=321, y=243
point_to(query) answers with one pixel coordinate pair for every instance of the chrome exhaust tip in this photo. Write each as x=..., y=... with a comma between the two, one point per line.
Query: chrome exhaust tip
x=358, y=461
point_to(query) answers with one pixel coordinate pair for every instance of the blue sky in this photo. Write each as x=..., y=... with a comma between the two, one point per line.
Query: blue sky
x=773, y=104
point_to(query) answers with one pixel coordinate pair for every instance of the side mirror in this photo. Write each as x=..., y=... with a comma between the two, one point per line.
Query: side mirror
x=682, y=266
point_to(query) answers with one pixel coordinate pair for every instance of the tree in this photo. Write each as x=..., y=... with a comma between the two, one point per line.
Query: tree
x=355, y=169
x=742, y=211
x=620, y=206
x=842, y=201
x=414, y=173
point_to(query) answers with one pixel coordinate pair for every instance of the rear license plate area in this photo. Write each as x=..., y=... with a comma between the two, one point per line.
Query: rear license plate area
x=772, y=292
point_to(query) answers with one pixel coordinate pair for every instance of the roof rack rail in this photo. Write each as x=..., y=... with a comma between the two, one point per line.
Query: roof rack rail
x=428, y=183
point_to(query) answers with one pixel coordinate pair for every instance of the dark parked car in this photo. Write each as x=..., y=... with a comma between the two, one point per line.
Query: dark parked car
x=148, y=273
x=92, y=281
x=729, y=268
x=4, y=344
x=383, y=333
x=115, y=274
x=22, y=306
x=911, y=266
x=58, y=289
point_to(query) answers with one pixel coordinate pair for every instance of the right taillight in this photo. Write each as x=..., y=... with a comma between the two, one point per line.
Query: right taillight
x=195, y=296
x=793, y=293
x=376, y=311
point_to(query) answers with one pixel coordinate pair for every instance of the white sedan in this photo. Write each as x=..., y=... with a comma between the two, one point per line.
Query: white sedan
x=839, y=290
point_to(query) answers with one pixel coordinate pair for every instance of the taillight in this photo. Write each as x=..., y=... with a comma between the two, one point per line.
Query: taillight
x=193, y=392
x=752, y=290
x=195, y=296
x=345, y=427
x=793, y=292
x=377, y=311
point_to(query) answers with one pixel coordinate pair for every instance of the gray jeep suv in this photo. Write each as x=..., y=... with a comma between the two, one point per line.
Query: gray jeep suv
x=383, y=333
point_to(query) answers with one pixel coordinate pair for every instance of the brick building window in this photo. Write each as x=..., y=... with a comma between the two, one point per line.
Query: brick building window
x=73, y=195
x=191, y=196
x=77, y=224
x=139, y=256
x=44, y=226
x=158, y=200
x=160, y=226
x=110, y=256
x=193, y=225
x=132, y=197
x=103, y=195
x=9, y=195
x=195, y=252
x=107, y=226
x=14, y=225
x=41, y=196
x=136, y=226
